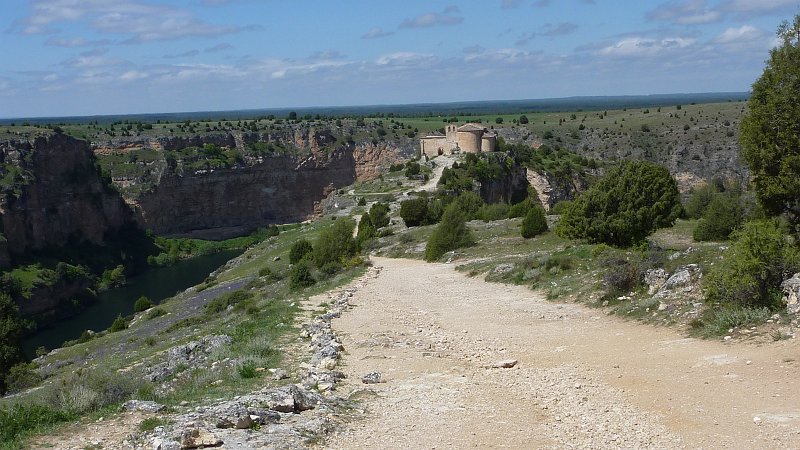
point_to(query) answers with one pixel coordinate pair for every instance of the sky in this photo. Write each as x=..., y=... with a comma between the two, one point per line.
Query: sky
x=93, y=57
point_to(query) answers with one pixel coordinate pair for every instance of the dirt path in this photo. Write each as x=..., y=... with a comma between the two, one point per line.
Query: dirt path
x=583, y=380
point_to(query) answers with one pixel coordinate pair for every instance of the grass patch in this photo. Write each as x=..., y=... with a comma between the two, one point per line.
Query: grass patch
x=720, y=321
x=151, y=423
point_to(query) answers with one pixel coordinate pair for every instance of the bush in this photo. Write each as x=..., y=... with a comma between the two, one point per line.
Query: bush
x=624, y=207
x=520, y=209
x=142, y=304
x=469, y=203
x=415, y=212
x=621, y=275
x=335, y=243
x=379, y=214
x=222, y=302
x=300, y=276
x=362, y=201
x=717, y=322
x=751, y=273
x=155, y=312
x=119, y=324
x=247, y=370
x=723, y=215
x=412, y=169
x=534, y=223
x=22, y=376
x=299, y=250
x=496, y=211
x=450, y=234
x=700, y=197
x=366, y=230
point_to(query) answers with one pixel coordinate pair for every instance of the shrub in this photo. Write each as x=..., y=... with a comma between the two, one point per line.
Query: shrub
x=412, y=169
x=119, y=324
x=300, y=276
x=621, y=275
x=366, y=230
x=496, y=211
x=716, y=322
x=534, y=223
x=335, y=243
x=362, y=201
x=299, y=250
x=751, y=273
x=414, y=212
x=450, y=234
x=379, y=214
x=520, y=209
x=222, y=302
x=723, y=215
x=22, y=376
x=155, y=312
x=625, y=206
x=700, y=197
x=142, y=304
x=247, y=370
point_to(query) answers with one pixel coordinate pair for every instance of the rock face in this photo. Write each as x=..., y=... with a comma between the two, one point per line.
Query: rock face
x=260, y=189
x=551, y=190
x=60, y=197
x=509, y=189
x=791, y=294
x=230, y=202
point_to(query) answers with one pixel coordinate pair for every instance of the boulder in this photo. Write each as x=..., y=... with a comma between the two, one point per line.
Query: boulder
x=372, y=378
x=655, y=279
x=791, y=294
x=143, y=406
x=198, y=438
x=505, y=364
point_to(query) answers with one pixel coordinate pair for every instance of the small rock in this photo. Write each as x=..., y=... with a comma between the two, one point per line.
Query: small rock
x=757, y=420
x=277, y=258
x=143, y=406
x=505, y=364
x=198, y=438
x=279, y=374
x=727, y=338
x=371, y=378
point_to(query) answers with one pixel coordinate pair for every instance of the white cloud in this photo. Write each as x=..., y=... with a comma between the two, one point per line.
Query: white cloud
x=688, y=12
x=449, y=16
x=376, y=32
x=140, y=22
x=744, y=33
x=637, y=47
x=132, y=75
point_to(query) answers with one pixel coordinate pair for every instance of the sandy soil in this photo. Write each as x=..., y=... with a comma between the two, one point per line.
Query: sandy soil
x=583, y=379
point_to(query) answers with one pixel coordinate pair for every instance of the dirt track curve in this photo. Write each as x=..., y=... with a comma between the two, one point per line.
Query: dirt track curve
x=583, y=379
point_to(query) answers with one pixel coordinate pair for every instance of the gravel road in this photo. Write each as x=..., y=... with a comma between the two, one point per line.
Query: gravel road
x=582, y=379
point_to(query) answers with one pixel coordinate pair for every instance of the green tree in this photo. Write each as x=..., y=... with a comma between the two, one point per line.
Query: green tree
x=366, y=230
x=335, y=243
x=11, y=329
x=414, y=212
x=723, y=215
x=450, y=234
x=534, y=223
x=770, y=131
x=379, y=214
x=142, y=304
x=630, y=202
x=300, y=276
x=299, y=249
x=523, y=120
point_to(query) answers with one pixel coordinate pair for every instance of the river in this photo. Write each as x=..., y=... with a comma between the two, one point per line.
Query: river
x=156, y=284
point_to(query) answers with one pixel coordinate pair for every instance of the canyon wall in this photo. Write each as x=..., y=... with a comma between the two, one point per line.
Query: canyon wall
x=57, y=196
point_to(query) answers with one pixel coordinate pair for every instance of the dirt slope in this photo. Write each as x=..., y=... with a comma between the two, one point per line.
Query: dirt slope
x=583, y=380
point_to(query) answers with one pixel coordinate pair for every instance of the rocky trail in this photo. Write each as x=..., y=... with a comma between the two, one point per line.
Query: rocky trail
x=434, y=340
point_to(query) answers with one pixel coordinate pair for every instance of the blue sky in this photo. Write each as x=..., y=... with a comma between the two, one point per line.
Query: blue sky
x=86, y=57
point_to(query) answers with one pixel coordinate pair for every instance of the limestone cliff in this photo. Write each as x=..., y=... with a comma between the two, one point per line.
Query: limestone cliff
x=55, y=195
x=268, y=177
x=551, y=190
x=229, y=202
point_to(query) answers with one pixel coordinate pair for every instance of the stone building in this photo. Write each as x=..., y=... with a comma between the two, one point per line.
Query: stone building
x=468, y=138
